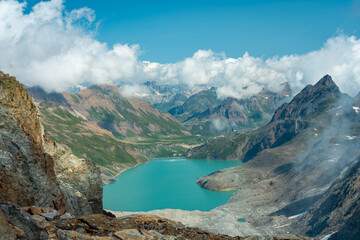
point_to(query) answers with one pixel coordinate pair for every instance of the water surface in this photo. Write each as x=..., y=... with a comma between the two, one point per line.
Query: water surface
x=166, y=183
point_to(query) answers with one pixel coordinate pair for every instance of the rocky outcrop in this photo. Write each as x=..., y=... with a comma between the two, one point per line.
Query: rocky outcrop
x=25, y=227
x=79, y=179
x=27, y=175
x=32, y=225
x=33, y=169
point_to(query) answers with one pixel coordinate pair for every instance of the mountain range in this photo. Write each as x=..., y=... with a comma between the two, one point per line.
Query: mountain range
x=300, y=173
x=301, y=170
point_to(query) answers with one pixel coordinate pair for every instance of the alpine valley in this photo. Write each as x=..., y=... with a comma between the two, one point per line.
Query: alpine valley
x=299, y=178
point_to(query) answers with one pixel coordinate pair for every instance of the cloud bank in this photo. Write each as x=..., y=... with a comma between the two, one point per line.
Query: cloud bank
x=58, y=50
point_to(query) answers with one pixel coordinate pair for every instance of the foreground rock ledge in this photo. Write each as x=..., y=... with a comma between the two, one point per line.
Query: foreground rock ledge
x=31, y=223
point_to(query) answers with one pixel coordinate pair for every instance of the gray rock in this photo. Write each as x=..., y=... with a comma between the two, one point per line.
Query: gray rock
x=132, y=234
x=23, y=221
x=51, y=215
x=66, y=216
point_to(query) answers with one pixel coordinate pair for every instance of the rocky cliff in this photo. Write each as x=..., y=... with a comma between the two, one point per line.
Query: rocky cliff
x=78, y=178
x=26, y=171
x=34, y=171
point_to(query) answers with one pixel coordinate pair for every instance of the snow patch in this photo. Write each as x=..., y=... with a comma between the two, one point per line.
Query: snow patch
x=356, y=109
x=351, y=137
x=297, y=215
x=328, y=236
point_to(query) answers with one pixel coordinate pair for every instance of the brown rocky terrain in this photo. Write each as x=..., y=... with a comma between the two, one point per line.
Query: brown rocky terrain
x=27, y=173
x=32, y=169
x=35, y=223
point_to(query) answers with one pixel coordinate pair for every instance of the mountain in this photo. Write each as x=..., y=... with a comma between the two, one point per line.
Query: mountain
x=118, y=131
x=204, y=114
x=287, y=122
x=301, y=169
x=233, y=115
x=196, y=103
x=126, y=118
x=165, y=97
x=175, y=101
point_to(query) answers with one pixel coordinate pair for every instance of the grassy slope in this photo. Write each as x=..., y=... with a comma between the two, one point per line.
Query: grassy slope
x=102, y=148
x=127, y=119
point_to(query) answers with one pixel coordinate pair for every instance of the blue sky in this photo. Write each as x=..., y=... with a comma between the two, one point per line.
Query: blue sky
x=266, y=43
x=169, y=31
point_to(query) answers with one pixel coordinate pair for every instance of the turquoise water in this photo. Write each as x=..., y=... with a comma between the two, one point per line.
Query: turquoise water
x=166, y=183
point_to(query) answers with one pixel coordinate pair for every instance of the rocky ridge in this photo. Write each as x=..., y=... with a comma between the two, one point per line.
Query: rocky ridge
x=26, y=171
x=31, y=169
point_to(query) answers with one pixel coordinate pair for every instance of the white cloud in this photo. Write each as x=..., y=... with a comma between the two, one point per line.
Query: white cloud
x=57, y=50
x=130, y=90
x=219, y=124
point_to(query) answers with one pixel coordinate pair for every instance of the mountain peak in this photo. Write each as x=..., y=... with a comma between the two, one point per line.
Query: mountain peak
x=326, y=82
x=311, y=101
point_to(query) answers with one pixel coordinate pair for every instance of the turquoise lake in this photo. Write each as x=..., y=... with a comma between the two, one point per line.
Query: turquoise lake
x=166, y=183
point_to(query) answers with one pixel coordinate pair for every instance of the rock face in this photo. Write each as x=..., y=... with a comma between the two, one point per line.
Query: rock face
x=34, y=171
x=27, y=174
x=311, y=101
x=302, y=170
x=79, y=179
x=24, y=225
x=339, y=210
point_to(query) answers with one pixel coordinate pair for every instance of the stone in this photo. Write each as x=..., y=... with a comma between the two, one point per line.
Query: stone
x=129, y=234
x=23, y=222
x=51, y=215
x=41, y=221
x=78, y=178
x=34, y=210
x=66, y=216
